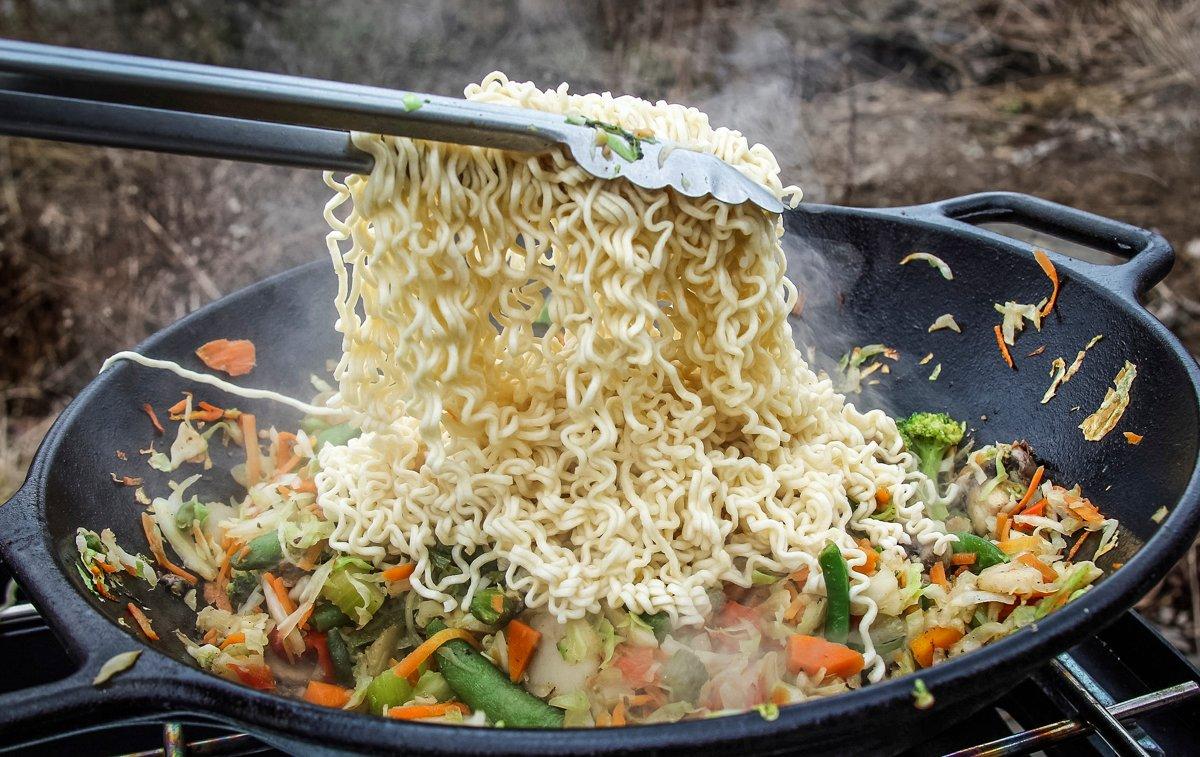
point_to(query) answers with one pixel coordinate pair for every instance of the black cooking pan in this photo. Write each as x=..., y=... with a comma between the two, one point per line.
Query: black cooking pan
x=847, y=262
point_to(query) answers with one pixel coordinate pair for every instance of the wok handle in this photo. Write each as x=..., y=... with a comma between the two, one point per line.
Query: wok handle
x=1148, y=255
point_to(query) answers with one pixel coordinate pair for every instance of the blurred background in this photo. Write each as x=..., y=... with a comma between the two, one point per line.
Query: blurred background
x=870, y=102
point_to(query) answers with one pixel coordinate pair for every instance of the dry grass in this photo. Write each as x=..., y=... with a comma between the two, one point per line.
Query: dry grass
x=865, y=102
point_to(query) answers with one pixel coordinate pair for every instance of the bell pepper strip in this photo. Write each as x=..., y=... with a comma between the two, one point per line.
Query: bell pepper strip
x=1004, y=353
x=255, y=676
x=413, y=660
x=398, y=572
x=1051, y=273
x=422, y=711
x=812, y=654
x=837, y=593
x=235, y=357
x=483, y=686
x=142, y=621
x=522, y=643
x=317, y=642
x=327, y=694
x=986, y=553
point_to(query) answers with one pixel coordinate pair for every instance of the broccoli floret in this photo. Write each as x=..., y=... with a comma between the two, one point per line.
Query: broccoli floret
x=930, y=436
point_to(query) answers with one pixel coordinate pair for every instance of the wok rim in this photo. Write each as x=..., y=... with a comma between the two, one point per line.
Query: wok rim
x=72, y=616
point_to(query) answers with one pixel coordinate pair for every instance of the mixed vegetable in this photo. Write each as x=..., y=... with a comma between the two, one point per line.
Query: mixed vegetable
x=279, y=610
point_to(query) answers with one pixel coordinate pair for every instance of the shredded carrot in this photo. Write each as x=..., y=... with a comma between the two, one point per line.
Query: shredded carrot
x=154, y=540
x=1048, y=574
x=637, y=700
x=869, y=567
x=305, y=616
x=780, y=697
x=1086, y=511
x=284, y=442
x=794, y=608
x=1078, y=543
x=179, y=406
x=800, y=577
x=235, y=357
x=327, y=694
x=1037, y=508
x=963, y=558
x=1033, y=485
x=154, y=418
x=236, y=637
x=281, y=592
x=1003, y=348
x=210, y=636
x=253, y=454
x=399, y=572
x=618, y=714
x=937, y=574
x=420, y=711
x=106, y=567
x=217, y=596
x=207, y=413
x=1052, y=273
x=522, y=641
x=413, y=659
x=1132, y=438
x=308, y=560
x=306, y=486
x=1002, y=525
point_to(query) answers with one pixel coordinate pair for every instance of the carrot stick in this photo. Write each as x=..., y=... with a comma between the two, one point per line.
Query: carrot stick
x=869, y=567
x=154, y=540
x=284, y=442
x=281, y=593
x=179, y=406
x=1003, y=348
x=937, y=574
x=1037, y=508
x=234, y=638
x=1002, y=525
x=522, y=641
x=306, y=486
x=154, y=418
x=326, y=694
x=400, y=572
x=1033, y=485
x=1048, y=574
x=413, y=660
x=618, y=714
x=419, y=711
x=207, y=413
x=1050, y=271
x=142, y=621
x=253, y=454
x=1078, y=543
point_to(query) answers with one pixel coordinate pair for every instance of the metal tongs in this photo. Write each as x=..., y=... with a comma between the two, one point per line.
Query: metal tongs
x=98, y=98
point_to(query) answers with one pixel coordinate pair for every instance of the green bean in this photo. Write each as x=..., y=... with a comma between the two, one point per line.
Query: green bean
x=485, y=687
x=339, y=654
x=986, y=553
x=328, y=616
x=837, y=592
x=263, y=553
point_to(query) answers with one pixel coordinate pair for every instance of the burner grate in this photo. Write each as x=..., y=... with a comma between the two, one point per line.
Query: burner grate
x=1125, y=691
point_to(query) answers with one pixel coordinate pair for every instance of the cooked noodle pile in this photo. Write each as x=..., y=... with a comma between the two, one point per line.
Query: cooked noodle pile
x=663, y=436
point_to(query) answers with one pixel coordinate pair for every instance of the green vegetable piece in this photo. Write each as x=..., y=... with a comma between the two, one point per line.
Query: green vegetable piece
x=433, y=684
x=327, y=616
x=313, y=424
x=337, y=435
x=240, y=587
x=986, y=553
x=837, y=590
x=762, y=578
x=343, y=589
x=190, y=511
x=264, y=553
x=483, y=686
x=683, y=675
x=930, y=436
x=484, y=609
x=411, y=102
x=339, y=654
x=93, y=541
x=1074, y=581
x=389, y=614
x=659, y=622
x=922, y=697
x=377, y=657
x=621, y=146
x=388, y=690
x=576, y=120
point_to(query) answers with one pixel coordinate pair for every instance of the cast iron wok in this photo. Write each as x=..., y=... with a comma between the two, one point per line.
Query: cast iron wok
x=865, y=297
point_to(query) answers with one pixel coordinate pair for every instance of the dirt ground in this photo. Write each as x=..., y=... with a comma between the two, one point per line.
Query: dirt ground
x=887, y=102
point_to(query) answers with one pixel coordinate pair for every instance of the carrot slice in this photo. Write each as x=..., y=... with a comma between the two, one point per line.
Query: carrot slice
x=1004, y=353
x=327, y=694
x=413, y=660
x=963, y=558
x=522, y=641
x=153, y=418
x=812, y=654
x=419, y=711
x=236, y=637
x=1002, y=525
x=1132, y=438
x=882, y=498
x=937, y=574
x=872, y=564
x=235, y=357
x=142, y=621
x=1052, y=273
x=399, y=572
x=937, y=637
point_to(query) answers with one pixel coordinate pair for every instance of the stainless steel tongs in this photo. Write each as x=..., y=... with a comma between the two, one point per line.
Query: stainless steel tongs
x=128, y=101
